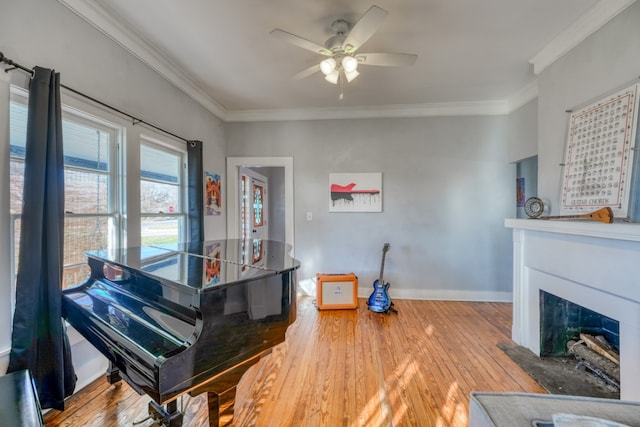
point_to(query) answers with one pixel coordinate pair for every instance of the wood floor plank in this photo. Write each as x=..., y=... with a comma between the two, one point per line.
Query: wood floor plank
x=351, y=368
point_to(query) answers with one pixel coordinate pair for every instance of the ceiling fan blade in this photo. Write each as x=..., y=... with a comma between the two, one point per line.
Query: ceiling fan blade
x=300, y=42
x=364, y=28
x=306, y=73
x=386, y=59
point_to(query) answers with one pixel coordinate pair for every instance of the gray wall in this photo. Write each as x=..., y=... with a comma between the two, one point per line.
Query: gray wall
x=447, y=187
x=604, y=61
x=523, y=132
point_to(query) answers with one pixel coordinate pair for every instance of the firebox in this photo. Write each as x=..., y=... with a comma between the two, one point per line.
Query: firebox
x=562, y=320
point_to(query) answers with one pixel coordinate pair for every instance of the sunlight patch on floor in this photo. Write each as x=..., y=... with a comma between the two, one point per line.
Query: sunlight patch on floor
x=409, y=370
x=429, y=330
x=453, y=412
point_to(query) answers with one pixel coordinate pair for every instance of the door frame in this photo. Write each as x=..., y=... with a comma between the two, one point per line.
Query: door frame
x=233, y=192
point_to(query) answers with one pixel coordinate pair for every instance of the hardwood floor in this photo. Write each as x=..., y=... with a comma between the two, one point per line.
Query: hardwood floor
x=351, y=368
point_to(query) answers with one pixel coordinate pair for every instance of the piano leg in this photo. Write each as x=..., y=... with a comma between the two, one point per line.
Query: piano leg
x=221, y=407
x=113, y=374
x=221, y=391
x=169, y=415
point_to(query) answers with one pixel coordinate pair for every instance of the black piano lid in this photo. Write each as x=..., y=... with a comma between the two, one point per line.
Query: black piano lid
x=199, y=266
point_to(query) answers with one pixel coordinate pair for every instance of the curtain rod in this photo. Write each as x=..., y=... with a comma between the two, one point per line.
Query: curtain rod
x=135, y=120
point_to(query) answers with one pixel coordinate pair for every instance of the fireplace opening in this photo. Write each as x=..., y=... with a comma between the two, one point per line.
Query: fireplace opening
x=570, y=330
x=562, y=320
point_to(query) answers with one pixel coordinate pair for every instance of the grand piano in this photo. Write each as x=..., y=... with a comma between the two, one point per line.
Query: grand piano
x=185, y=318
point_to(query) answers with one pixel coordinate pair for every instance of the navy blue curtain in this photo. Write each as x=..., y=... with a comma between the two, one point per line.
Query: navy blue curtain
x=195, y=193
x=39, y=341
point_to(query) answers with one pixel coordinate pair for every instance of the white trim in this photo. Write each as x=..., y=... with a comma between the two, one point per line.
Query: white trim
x=617, y=231
x=524, y=95
x=6, y=244
x=472, y=108
x=233, y=166
x=104, y=21
x=601, y=13
x=443, y=295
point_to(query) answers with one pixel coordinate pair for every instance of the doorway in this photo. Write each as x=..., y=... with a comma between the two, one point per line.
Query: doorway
x=254, y=205
x=282, y=206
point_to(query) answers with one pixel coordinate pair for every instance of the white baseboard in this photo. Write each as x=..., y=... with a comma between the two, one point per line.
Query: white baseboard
x=443, y=295
x=307, y=287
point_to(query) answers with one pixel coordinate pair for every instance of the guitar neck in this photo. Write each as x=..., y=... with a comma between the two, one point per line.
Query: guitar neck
x=385, y=248
x=562, y=217
x=384, y=254
x=603, y=215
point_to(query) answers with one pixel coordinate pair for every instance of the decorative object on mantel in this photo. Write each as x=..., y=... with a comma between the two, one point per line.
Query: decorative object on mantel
x=600, y=165
x=535, y=206
x=603, y=215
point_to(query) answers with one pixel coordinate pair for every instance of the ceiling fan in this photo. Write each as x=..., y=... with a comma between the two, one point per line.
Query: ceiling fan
x=342, y=59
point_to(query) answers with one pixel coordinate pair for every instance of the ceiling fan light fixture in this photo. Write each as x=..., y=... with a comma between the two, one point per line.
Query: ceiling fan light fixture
x=333, y=76
x=349, y=64
x=350, y=75
x=328, y=66
x=341, y=59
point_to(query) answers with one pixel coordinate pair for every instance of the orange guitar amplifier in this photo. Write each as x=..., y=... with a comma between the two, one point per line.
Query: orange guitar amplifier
x=337, y=291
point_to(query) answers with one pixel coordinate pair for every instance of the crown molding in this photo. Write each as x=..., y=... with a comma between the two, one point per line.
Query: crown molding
x=527, y=93
x=601, y=13
x=480, y=108
x=104, y=22
x=591, y=21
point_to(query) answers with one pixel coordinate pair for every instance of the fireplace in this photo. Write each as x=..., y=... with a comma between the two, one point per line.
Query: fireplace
x=593, y=265
x=562, y=321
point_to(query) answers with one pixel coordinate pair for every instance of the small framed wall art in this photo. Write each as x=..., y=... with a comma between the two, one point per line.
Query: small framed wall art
x=212, y=194
x=355, y=192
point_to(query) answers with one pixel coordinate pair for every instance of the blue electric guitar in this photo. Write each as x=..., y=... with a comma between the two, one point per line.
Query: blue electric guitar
x=379, y=300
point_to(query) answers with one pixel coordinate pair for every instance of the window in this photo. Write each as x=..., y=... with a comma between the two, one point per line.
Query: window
x=92, y=208
x=94, y=161
x=162, y=193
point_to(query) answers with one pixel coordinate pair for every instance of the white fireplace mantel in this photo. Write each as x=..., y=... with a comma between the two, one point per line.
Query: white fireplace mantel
x=616, y=231
x=592, y=264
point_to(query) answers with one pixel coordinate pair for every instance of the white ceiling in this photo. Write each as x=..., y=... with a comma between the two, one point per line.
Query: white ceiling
x=473, y=55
